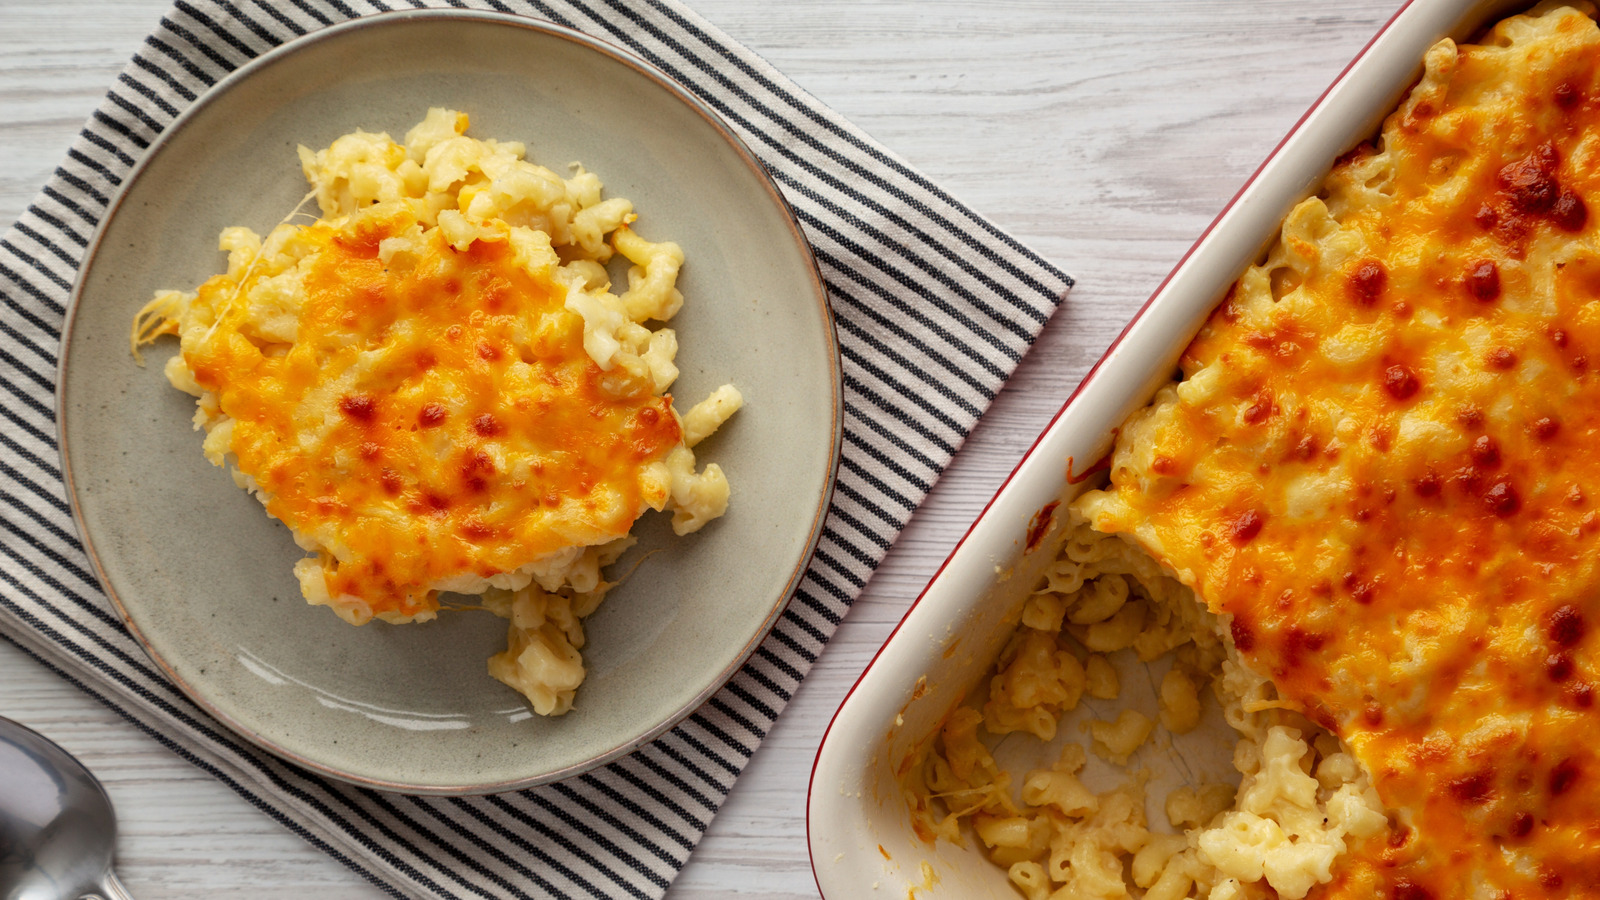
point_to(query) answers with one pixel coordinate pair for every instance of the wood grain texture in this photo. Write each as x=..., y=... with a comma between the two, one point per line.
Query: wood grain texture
x=1104, y=133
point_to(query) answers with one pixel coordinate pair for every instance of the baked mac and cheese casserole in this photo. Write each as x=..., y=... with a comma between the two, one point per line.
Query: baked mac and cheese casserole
x=434, y=386
x=1364, y=515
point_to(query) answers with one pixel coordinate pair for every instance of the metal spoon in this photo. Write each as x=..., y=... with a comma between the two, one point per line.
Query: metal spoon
x=57, y=828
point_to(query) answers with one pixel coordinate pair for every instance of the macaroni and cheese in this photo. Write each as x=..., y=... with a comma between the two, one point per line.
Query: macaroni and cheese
x=435, y=388
x=1374, y=473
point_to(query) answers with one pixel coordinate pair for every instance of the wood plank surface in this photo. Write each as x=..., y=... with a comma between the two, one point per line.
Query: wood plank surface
x=1104, y=133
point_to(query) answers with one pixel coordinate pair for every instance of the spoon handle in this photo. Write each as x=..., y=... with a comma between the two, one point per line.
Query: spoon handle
x=112, y=889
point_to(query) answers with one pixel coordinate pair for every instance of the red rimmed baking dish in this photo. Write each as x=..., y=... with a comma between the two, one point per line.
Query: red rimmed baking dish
x=861, y=837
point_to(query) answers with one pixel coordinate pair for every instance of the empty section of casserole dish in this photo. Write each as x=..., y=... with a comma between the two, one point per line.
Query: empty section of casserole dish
x=1302, y=800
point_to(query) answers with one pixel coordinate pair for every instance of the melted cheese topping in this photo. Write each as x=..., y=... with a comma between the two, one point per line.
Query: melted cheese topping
x=1381, y=463
x=436, y=414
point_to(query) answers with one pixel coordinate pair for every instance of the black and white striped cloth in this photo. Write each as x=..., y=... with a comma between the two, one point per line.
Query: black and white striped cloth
x=934, y=305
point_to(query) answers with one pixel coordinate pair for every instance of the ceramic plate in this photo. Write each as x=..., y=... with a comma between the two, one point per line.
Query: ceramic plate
x=203, y=576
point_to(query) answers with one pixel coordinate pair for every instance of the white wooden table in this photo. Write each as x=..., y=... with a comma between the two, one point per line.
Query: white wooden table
x=1104, y=133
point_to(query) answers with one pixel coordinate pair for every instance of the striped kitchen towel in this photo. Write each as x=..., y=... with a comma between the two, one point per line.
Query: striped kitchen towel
x=934, y=305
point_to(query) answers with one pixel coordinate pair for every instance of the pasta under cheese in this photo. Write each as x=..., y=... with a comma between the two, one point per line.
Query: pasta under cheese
x=434, y=386
x=1375, y=472
x=1302, y=802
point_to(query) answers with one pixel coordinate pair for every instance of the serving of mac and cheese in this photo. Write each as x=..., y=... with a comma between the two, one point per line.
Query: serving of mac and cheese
x=435, y=387
x=1362, y=516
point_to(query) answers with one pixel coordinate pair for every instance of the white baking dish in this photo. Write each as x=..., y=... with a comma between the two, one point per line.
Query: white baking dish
x=860, y=834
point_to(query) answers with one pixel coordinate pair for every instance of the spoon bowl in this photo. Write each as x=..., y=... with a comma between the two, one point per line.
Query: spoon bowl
x=58, y=832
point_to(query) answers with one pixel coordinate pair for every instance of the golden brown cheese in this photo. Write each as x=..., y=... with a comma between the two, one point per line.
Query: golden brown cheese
x=1383, y=462
x=437, y=413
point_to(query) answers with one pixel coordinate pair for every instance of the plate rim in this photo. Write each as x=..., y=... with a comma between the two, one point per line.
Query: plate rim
x=818, y=291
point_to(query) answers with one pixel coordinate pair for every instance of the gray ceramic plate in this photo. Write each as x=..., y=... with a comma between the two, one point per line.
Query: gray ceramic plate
x=203, y=576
